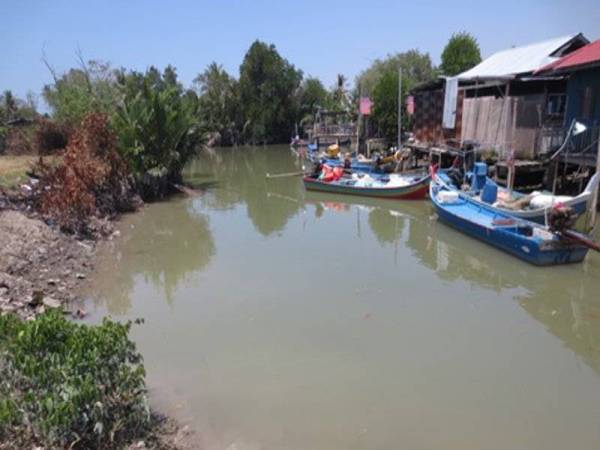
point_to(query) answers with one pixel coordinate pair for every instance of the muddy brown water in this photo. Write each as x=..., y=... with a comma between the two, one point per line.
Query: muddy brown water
x=281, y=319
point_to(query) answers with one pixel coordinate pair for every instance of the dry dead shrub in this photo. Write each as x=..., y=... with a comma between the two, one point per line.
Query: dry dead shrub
x=92, y=180
x=50, y=137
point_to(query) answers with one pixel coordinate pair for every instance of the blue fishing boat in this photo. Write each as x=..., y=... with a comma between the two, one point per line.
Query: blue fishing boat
x=526, y=240
x=534, y=206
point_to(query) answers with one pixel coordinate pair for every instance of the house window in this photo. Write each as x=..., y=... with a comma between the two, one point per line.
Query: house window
x=556, y=105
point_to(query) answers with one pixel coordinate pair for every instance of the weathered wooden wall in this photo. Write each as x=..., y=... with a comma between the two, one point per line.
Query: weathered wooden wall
x=429, y=110
x=504, y=123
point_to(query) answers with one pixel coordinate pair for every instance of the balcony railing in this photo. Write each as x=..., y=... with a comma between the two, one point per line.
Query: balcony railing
x=341, y=130
x=582, y=147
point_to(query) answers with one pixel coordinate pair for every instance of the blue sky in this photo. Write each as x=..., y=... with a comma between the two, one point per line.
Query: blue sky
x=322, y=38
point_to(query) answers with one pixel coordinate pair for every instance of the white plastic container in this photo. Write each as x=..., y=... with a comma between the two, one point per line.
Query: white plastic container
x=446, y=197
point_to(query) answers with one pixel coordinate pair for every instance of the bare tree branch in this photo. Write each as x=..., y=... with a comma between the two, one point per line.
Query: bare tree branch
x=84, y=68
x=48, y=66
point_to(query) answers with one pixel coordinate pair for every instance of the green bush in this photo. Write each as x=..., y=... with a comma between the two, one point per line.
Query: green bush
x=158, y=132
x=76, y=93
x=64, y=384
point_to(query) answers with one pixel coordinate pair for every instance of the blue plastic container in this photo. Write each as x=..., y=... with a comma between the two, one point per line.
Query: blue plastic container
x=479, y=176
x=489, y=194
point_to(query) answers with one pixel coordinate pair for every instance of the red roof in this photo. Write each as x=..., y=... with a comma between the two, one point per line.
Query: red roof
x=587, y=54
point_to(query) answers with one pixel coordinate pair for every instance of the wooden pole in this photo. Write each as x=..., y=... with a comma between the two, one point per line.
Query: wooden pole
x=358, y=123
x=558, y=152
x=594, y=204
x=555, y=180
x=512, y=173
x=399, y=108
x=283, y=175
x=511, y=179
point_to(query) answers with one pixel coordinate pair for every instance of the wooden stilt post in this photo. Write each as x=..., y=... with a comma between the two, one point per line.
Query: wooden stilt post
x=513, y=168
x=358, y=124
x=556, y=154
x=555, y=179
x=594, y=204
x=399, y=108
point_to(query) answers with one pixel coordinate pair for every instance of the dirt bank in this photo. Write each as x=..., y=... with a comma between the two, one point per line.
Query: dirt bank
x=40, y=267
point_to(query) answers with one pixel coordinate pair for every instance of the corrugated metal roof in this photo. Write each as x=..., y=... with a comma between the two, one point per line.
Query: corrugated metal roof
x=513, y=61
x=585, y=55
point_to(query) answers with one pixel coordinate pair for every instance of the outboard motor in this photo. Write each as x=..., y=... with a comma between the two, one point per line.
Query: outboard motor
x=561, y=217
x=479, y=176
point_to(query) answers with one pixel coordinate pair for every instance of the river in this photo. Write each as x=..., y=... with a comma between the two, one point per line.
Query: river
x=281, y=319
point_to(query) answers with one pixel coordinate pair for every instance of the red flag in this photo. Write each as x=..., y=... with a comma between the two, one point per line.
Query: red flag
x=365, y=106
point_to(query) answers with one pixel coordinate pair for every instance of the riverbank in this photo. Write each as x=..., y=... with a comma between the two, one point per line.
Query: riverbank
x=43, y=268
x=40, y=267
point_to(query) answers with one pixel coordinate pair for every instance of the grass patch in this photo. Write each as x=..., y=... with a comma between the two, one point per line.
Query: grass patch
x=13, y=169
x=68, y=385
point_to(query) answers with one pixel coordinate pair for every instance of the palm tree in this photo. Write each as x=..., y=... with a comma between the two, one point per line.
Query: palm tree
x=340, y=93
x=159, y=131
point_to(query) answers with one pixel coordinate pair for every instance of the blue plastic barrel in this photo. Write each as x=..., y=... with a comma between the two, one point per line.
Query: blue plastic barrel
x=489, y=194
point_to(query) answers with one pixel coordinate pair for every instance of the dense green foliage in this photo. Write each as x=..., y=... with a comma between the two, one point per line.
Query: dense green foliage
x=268, y=85
x=416, y=68
x=262, y=106
x=91, y=88
x=158, y=129
x=159, y=123
x=380, y=82
x=68, y=385
x=219, y=103
x=460, y=54
x=312, y=96
x=385, y=107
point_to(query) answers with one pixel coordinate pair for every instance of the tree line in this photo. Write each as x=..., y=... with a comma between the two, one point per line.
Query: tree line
x=271, y=98
x=264, y=104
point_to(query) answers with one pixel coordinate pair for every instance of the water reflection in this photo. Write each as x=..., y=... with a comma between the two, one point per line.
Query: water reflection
x=240, y=174
x=563, y=299
x=558, y=297
x=164, y=243
x=571, y=312
x=363, y=305
x=386, y=222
